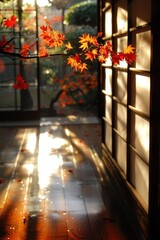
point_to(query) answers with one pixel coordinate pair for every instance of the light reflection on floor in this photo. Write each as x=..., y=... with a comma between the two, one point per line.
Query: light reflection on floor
x=54, y=192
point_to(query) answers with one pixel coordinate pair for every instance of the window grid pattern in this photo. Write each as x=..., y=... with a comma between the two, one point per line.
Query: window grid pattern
x=127, y=93
x=25, y=31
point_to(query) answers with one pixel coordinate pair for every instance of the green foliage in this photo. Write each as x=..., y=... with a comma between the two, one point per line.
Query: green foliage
x=84, y=13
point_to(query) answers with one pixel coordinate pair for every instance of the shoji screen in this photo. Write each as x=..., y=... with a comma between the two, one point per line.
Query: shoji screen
x=139, y=102
x=127, y=93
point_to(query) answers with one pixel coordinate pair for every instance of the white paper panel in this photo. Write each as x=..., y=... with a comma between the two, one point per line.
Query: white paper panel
x=121, y=45
x=108, y=137
x=108, y=23
x=122, y=19
x=141, y=137
x=142, y=98
x=121, y=154
x=140, y=177
x=122, y=86
x=122, y=120
x=143, y=47
x=108, y=110
x=108, y=81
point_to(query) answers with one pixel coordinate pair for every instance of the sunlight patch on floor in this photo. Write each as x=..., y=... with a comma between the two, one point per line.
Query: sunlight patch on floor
x=49, y=159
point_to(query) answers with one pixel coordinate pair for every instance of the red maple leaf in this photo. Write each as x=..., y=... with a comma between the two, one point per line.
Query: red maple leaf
x=10, y=22
x=43, y=52
x=25, y=50
x=117, y=57
x=43, y=28
x=20, y=83
x=130, y=57
x=100, y=34
x=105, y=50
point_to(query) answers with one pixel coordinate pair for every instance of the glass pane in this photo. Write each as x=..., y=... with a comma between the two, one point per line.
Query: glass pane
x=140, y=136
x=10, y=67
x=8, y=6
x=6, y=71
x=27, y=4
x=140, y=176
x=26, y=100
x=121, y=153
x=32, y=97
x=7, y=98
x=28, y=25
x=30, y=72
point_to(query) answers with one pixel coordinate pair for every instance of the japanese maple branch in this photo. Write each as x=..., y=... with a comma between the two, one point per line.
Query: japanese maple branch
x=6, y=43
x=18, y=55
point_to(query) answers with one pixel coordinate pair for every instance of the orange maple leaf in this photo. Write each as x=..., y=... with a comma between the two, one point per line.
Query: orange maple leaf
x=82, y=67
x=68, y=46
x=26, y=46
x=73, y=62
x=84, y=46
x=76, y=63
x=129, y=49
x=101, y=58
x=91, y=54
x=70, y=60
x=51, y=37
x=86, y=40
x=43, y=52
x=93, y=40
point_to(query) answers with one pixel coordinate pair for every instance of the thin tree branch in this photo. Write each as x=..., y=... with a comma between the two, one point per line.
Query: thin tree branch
x=6, y=44
x=18, y=55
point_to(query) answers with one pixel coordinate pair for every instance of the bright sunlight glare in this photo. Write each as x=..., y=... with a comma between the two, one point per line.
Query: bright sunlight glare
x=43, y=3
x=29, y=167
x=31, y=143
x=48, y=163
x=40, y=3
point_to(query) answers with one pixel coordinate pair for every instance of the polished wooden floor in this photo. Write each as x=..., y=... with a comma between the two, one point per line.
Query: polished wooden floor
x=53, y=185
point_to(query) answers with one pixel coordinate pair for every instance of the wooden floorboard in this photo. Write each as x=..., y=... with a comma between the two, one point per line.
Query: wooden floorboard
x=52, y=187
